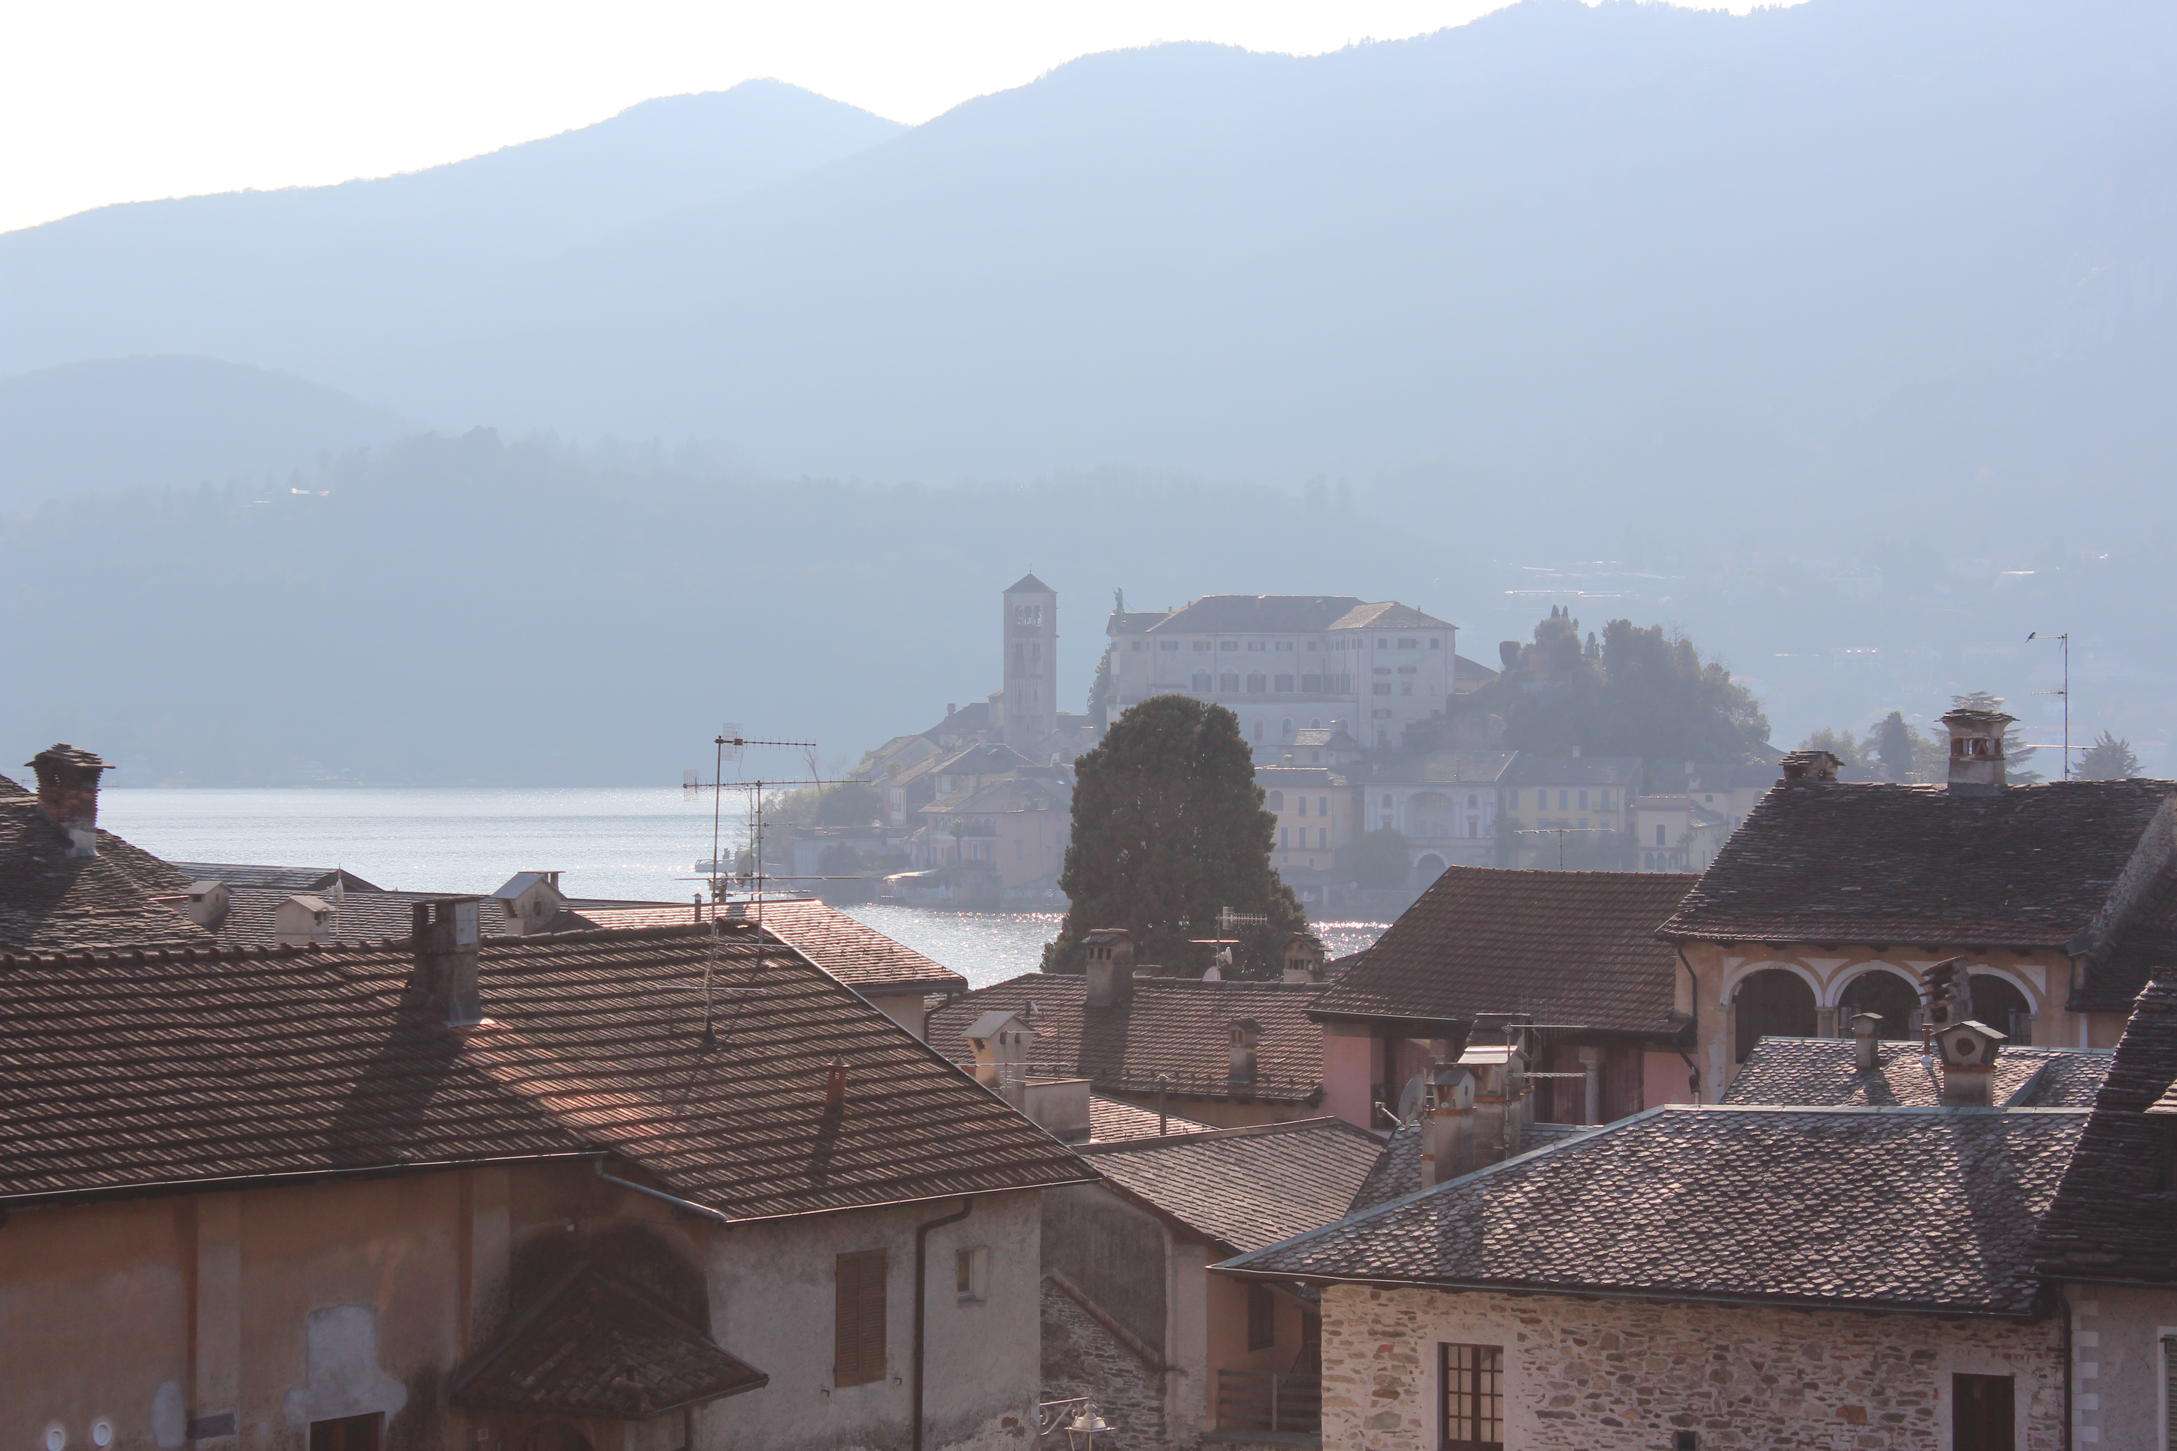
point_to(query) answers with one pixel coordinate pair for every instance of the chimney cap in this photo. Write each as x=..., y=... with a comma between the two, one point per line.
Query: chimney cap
x=1974, y=718
x=62, y=754
x=1803, y=768
x=1866, y=1025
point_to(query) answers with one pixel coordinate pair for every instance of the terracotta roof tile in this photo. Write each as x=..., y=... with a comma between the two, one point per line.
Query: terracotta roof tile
x=1854, y=1208
x=852, y=951
x=146, y=1068
x=1819, y=1072
x=1177, y=1027
x=1567, y=948
x=1247, y=1187
x=1872, y=863
x=1112, y=1119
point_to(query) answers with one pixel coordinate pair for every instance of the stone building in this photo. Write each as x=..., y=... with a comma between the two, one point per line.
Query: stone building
x=1834, y=898
x=1227, y=1053
x=655, y=1188
x=1568, y=810
x=1029, y=700
x=1569, y=958
x=1181, y=1352
x=1446, y=804
x=1711, y=1279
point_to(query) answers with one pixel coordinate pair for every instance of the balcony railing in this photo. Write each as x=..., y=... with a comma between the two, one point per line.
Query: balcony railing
x=1268, y=1400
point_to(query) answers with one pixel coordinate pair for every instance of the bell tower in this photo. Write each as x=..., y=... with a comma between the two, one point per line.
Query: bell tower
x=1030, y=703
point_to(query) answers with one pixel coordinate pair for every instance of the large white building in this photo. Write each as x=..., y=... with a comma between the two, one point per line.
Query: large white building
x=1289, y=663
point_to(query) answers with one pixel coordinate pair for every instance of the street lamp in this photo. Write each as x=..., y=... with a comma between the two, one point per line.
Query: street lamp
x=1083, y=1429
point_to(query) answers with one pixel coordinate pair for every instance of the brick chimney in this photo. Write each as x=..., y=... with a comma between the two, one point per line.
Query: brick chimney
x=1976, y=751
x=1864, y=1043
x=1243, y=1036
x=443, y=982
x=1809, y=768
x=68, y=794
x=1110, y=953
x=1447, y=1124
x=1969, y=1058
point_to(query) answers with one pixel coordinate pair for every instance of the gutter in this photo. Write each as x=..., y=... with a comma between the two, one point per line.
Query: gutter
x=688, y=1204
x=922, y=1250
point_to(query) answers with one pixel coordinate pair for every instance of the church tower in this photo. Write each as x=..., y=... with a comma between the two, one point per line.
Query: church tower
x=1031, y=666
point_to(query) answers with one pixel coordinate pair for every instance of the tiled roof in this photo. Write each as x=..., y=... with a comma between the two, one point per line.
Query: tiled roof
x=356, y=916
x=52, y=902
x=1568, y=948
x=1883, y=864
x=2115, y=1218
x=1005, y=796
x=1175, y=1027
x=2144, y=948
x=854, y=952
x=1029, y=584
x=1847, y=1208
x=1247, y=1187
x=1325, y=738
x=1389, y=615
x=1133, y=622
x=1819, y=1072
x=1465, y=669
x=1530, y=769
x=288, y=879
x=1112, y=1119
x=133, y=1069
x=595, y=1346
x=984, y=758
x=1256, y=615
x=1397, y=1170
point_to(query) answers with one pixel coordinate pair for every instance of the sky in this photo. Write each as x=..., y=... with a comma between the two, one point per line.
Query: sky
x=106, y=101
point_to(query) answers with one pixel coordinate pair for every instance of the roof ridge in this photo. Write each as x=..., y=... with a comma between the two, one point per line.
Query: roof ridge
x=1237, y=1131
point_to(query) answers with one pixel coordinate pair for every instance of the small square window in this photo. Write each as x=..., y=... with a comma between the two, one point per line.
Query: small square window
x=971, y=1269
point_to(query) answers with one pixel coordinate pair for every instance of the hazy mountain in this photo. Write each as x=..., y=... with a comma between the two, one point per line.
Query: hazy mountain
x=293, y=279
x=126, y=423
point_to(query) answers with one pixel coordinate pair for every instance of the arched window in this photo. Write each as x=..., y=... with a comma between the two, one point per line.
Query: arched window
x=1256, y=685
x=1229, y=682
x=1287, y=726
x=1201, y=680
x=1886, y=995
x=1772, y=1003
x=1998, y=1003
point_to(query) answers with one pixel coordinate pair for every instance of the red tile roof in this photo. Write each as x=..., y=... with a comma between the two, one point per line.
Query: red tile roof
x=1176, y=1032
x=166, y=1067
x=854, y=952
x=1576, y=949
x=1246, y=1188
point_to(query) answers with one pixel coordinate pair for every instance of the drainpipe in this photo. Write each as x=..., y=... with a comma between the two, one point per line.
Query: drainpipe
x=1693, y=995
x=2070, y=1353
x=922, y=1253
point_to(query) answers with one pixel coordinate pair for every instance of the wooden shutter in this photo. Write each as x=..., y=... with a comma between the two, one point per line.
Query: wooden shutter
x=858, y=1318
x=1982, y=1413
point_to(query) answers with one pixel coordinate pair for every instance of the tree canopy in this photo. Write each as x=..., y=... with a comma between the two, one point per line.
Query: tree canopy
x=1168, y=828
x=2110, y=758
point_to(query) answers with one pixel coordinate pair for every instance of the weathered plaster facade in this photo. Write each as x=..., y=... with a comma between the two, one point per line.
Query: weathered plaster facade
x=1625, y=1375
x=2122, y=1390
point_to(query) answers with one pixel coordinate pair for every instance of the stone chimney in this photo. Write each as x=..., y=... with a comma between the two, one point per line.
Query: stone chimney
x=1243, y=1036
x=1864, y=1042
x=1000, y=1043
x=208, y=905
x=1447, y=1125
x=1969, y=1058
x=1976, y=751
x=1110, y=952
x=1809, y=768
x=443, y=982
x=68, y=794
x=303, y=919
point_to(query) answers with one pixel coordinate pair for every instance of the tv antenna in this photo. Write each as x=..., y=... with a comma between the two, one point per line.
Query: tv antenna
x=2063, y=646
x=729, y=746
x=1561, y=832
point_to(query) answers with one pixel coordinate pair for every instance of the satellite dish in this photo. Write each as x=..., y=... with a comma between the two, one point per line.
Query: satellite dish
x=1409, y=1099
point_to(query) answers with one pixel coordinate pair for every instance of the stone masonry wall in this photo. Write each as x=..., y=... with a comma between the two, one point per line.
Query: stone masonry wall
x=1623, y=1375
x=1082, y=1358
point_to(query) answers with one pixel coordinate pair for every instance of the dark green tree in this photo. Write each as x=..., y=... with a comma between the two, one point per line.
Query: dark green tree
x=1168, y=828
x=1099, y=697
x=2110, y=758
x=1890, y=747
x=2016, y=753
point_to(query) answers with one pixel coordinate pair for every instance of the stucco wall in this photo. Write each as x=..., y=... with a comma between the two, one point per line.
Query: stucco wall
x=1350, y=1058
x=2120, y=1397
x=772, y=1288
x=1621, y=1375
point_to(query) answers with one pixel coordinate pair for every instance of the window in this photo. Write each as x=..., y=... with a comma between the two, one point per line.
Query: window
x=1285, y=687
x=1229, y=681
x=349, y=1433
x=1285, y=644
x=858, y=1318
x=1383, y=687
x=1382, y=644
x=1134, y=645
x=1604, y=798
x=1285, y=837
x=1409, y=644
x=1583, y=800
x=1201, y=680
x=1312, y=644
x=1257, y=684
x=1300, y=804
x=1228, y=644
x=1659, y=835
x=1473, y=1409
x=1982, y=1413
x=1027, y=614
x=1167, y=644
x=1258, y=645
x=1261, y=1317
x=1322, y=806
x=1436, y=642
x=969, y=1270
x=1322, y=836
x=1561, y=806
x=1201, y=644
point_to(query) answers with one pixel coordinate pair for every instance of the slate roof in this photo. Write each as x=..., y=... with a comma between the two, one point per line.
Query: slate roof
x=176, y=1067
x=252, y=914
x=1256, y=615
x=1111, y=1119
x=52, y=902
x=1133, y=622
x=1575, y=949
x=2115, y=1217
x=1175, y=1026
x=1245, y=1188
x=596, y=1346
x=1819, y=1072
x=1397, y=1170
x=287, y=879
x=1884, y=864
x=852, y=951
x=1843, y=1208
x=2144, y=948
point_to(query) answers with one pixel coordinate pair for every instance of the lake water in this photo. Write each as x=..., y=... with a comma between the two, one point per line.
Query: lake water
x=640, y=842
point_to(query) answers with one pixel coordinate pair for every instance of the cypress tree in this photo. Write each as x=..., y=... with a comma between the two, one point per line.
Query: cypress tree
x=1168, y=828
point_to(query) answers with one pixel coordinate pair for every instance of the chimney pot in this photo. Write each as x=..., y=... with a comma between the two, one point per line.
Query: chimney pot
x=835, y=1085
x=1110, y=968
x=445, y=942
x=1864, y=1028
x=1969, y=1052
x=1976, y=751
x=68, y=794
x=1244, y=1036
x=1809, y=768
x=1447, y=1124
